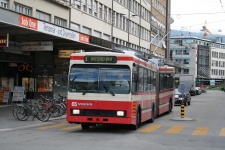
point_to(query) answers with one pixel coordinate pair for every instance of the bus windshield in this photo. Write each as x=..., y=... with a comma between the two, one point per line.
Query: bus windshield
x=111, y=79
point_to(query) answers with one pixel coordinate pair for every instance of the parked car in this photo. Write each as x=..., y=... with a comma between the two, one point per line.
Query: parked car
x=192, y=92
x=180, y=98
x=198, y=90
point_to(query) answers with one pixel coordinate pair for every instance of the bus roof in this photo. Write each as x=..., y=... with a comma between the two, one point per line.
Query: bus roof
x=166, y=69
x=120, y=57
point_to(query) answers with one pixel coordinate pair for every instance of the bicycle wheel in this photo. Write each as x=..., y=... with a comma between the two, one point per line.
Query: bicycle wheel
x=54, y=111
x=15, y=110
x=61, y=110
x=22, y=113
x=43, y=115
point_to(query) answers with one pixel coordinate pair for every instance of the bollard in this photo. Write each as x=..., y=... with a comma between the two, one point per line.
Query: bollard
x=182, y=110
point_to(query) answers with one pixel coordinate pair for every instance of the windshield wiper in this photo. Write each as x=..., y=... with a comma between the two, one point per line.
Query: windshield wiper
x=85, y=92
x=107, y=90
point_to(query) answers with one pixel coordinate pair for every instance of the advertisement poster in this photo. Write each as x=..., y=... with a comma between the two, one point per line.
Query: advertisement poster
x=4, y=94
x=18, y=93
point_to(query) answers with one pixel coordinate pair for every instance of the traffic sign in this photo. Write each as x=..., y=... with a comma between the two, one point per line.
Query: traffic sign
x=183, y=88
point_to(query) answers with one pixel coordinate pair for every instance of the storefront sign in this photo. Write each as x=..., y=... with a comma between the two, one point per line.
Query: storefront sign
x=84, y=38
x=57, y=31
x=4, y=40
x=4, y=94
x=37, y=46
x=18, y=93
x=67, y=53
x=28, y=22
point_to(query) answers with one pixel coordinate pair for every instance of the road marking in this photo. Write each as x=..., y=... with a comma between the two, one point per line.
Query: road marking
x=222, y=132
x=52, y=126
x=201, y=131
x=175, y=129
x=22, y=127
x=72, y=128
x=150, y=128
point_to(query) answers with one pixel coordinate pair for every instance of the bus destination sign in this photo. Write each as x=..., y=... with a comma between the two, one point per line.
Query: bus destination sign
x=100, y=59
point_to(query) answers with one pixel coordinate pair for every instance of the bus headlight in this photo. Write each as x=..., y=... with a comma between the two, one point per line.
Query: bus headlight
x=76, y=111
x=120, y=113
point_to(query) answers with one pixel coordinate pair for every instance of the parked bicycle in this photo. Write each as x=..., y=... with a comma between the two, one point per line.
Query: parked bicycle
x=56, y=107
x=24, y=111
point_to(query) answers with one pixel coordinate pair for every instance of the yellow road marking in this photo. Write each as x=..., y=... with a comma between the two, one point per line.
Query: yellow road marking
x=175, y=129
x=150, y=128
x=222, y=132
x=52, y=126
x=201, y=131
x=71, y=128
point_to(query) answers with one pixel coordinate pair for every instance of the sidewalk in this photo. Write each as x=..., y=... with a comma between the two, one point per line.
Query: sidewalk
x=8, y=122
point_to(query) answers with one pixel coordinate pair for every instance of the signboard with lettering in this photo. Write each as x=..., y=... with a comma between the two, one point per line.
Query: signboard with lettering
x=100, y=59
x=18, y=93
x=37, y=46
x=4, y=94
x=28, y=22
x=57, y=31
x=4, y=40
x=84, y=38
x=67, y=53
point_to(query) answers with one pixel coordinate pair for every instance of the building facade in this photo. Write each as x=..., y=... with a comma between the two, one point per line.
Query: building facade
x=39, y=36
x=202, y=58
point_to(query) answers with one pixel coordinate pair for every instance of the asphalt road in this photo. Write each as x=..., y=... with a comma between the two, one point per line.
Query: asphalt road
x=203, y=128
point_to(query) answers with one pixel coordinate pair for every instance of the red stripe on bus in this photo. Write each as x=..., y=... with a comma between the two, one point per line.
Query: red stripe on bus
x=76, y=57
x=122, y=58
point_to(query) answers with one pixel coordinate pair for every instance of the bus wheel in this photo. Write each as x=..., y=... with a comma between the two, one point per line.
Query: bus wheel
x=170, y=107
x=138, y=121
x=85, y=126
x=153, y=115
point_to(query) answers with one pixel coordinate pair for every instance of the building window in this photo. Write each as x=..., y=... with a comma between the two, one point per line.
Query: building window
x=60, y=21
x=75, y=27
x=178, y=52
x=43, y=16
x=186, y=61
x=84, y=4
x=178, y=60
x=95, y=8
x=76, y=3
x=105, y=13
x=106, y=37
x=4, y=3
x=186, y=52
x=110, y=15
x=23, y=9
x=87, y=30
x=97, y=34
x=89, y=3
x=100, y=11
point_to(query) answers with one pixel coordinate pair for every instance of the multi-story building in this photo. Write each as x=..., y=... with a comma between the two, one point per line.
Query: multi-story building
x=39, y=36
x=201, y=57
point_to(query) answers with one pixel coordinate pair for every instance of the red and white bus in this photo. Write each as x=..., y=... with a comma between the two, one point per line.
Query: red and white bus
x=98, y=95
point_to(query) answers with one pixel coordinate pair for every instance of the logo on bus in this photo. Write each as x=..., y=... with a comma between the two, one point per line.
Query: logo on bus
x=81, y=104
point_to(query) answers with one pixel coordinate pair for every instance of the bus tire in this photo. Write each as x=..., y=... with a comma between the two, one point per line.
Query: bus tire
x=153, y=115
x=138, y=121
x=85, y=126
x=170, y=107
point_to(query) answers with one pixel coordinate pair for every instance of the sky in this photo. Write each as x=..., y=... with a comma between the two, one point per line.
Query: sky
x=191, y=15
